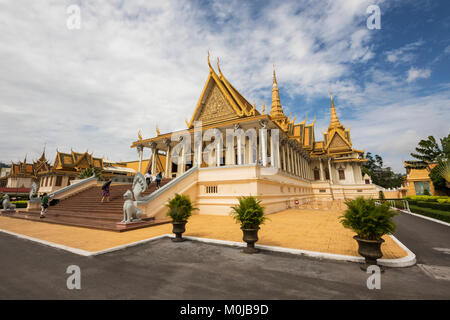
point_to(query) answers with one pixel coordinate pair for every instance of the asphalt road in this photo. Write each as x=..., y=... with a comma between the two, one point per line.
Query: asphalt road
x=422, y=237
x=193, y=270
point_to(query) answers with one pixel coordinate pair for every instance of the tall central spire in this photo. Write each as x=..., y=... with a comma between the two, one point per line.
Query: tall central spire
x=276, y=110
x=334, y=122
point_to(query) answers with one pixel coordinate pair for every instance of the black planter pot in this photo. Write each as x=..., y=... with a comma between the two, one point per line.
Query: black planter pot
x=250, y=236
x=178, y=229
x=370, y=250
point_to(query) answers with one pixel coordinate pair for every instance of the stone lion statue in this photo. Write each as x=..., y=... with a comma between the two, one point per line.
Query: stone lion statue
x=139, y=185
x=130, y=211
x=33, y=191
x=7, y=205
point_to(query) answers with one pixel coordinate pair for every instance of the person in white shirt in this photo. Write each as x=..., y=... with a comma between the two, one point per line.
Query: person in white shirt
x=148, y=178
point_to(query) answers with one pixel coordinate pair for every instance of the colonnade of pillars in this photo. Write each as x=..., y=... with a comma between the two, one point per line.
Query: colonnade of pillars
x=294, y=160
x=266, y=151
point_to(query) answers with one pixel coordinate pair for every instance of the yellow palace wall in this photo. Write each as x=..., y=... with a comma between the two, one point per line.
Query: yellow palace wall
x=214, y=190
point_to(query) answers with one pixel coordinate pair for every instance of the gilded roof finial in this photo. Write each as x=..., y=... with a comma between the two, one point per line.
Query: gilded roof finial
x=274, y=76
x=276, y=109
x=157, y=130
x=218, y=66
x=187, y=123
x=263, y=107
x=334, y=122
x=140, y=135
x=209, y=63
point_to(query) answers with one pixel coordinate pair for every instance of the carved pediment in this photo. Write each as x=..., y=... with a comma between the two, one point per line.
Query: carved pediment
x=215, y=108
x=338, y=143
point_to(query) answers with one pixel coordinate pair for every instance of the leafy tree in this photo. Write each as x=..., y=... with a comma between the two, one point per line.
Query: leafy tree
x=4, y=165
x=383, y=177
x=429, y=150
x=437, y=178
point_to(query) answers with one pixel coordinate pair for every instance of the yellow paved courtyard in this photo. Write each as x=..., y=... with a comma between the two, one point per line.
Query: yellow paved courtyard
x=312, y=230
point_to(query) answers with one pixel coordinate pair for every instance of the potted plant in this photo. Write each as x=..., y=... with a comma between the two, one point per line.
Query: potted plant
x=180, y=209
x=250, y=214
x=370, y=222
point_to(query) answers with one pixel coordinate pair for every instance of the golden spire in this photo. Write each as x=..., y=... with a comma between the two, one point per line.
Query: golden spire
x=139, y=135
x=157, y=130
x=276, y=110
x=334, y=123
x=263, y=108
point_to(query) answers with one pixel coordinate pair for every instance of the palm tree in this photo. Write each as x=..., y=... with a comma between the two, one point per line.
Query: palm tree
x=428, y=150
x=443, y=170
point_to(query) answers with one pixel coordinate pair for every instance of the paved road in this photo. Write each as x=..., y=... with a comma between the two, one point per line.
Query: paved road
x=193, y=270
x=422, y=236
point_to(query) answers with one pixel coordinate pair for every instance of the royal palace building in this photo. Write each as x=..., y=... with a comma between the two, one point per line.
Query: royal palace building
x=230, y=149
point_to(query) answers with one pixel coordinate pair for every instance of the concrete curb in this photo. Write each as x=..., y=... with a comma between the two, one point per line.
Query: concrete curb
x=425, y=217
x=407, y=261
x=48, y=243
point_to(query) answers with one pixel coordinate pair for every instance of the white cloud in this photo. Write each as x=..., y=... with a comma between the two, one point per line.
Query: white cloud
x=447, y=49
x=405, y=54
x=416, y=73
x=136, y=64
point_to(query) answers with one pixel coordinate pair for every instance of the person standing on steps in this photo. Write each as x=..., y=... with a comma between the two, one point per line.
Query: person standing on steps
x=106, y=190
x=44, y=205
x=148, y=179
x=158, y=180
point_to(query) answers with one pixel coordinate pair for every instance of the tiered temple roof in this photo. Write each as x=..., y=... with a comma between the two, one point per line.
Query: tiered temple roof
x=221, y=103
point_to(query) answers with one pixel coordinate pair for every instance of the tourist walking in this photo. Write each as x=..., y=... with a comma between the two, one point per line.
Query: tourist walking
x=158, y=180
x=44, y=205
x=148, y=179
x=106, y=190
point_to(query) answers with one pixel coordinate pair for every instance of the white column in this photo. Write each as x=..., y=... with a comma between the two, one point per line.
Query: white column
x=283, y=155
x=321, y=170
x=154, y=155
x=140, y=150
x=183, y=159
x=239, y=150
x=263, y=142
x=218, y=152
x=329, y=170
x=168, y=173
x=275, y=149
x=297, y=165
x=288, y=162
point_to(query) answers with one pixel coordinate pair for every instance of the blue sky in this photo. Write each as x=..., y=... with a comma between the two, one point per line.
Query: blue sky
x=136, y=64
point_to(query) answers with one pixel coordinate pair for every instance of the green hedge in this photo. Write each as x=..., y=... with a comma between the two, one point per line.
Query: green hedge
x=428, y=198
x=432, y=213
x=16, y=196
x=20, y=204
x=431, y=205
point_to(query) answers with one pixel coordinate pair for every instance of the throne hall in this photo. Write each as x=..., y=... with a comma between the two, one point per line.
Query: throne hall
x=280, y=162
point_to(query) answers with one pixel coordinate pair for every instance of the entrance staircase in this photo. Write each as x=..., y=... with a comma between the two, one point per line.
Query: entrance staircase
x=85, y=209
